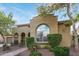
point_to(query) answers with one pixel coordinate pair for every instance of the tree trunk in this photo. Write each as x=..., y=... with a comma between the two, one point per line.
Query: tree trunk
x=73, y=23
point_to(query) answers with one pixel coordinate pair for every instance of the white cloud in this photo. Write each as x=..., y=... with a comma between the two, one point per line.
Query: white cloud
x=18, y=9
x=22, y=11
x=19, y=20
x=24, y=14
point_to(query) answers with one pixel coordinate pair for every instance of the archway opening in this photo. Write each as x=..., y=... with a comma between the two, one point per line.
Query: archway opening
x=29, y=34
x=23, y=38
x=41, y=33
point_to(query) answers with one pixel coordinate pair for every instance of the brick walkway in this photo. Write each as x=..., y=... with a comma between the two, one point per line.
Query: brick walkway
x=46, y=52
x=73, y=52
x=13, y=53
x=24, y=53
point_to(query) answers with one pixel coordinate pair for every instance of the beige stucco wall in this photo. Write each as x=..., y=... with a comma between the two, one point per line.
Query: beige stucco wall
x=66, y=36
x=51, y=21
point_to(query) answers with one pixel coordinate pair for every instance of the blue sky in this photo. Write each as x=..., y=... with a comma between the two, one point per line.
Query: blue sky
x=23, y=13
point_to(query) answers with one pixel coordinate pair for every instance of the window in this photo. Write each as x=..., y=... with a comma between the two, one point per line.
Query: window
x=41, y=33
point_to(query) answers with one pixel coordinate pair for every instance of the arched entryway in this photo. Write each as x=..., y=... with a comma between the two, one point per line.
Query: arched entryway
x=23, y=38
x=16, y=38
x=41, y=33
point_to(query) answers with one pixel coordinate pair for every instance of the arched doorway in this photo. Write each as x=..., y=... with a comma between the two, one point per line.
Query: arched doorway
x=23, y=38
x=16, y=38
x=41, y=33
x=29, y=34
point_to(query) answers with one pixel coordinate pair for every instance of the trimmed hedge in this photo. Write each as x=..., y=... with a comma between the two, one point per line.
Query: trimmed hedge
x=30, y=42
x=35, y=53
x=54, y=39
x=61, y=51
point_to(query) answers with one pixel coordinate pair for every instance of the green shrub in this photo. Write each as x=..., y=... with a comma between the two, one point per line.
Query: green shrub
x=30, y=42
x=61, y=51
x=54, y=39
x=35, y=53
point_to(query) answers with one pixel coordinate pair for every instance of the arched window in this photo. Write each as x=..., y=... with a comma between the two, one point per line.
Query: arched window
x=41, y=33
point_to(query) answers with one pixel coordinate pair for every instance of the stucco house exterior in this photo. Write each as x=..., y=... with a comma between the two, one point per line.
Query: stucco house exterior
x=38, y=25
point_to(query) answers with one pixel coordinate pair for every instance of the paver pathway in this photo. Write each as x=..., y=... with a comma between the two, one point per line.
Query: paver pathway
x=73, y=52
x=13, y=53
x=46, y=52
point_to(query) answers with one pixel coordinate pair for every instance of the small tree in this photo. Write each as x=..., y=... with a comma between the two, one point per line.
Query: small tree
x=6, y=23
